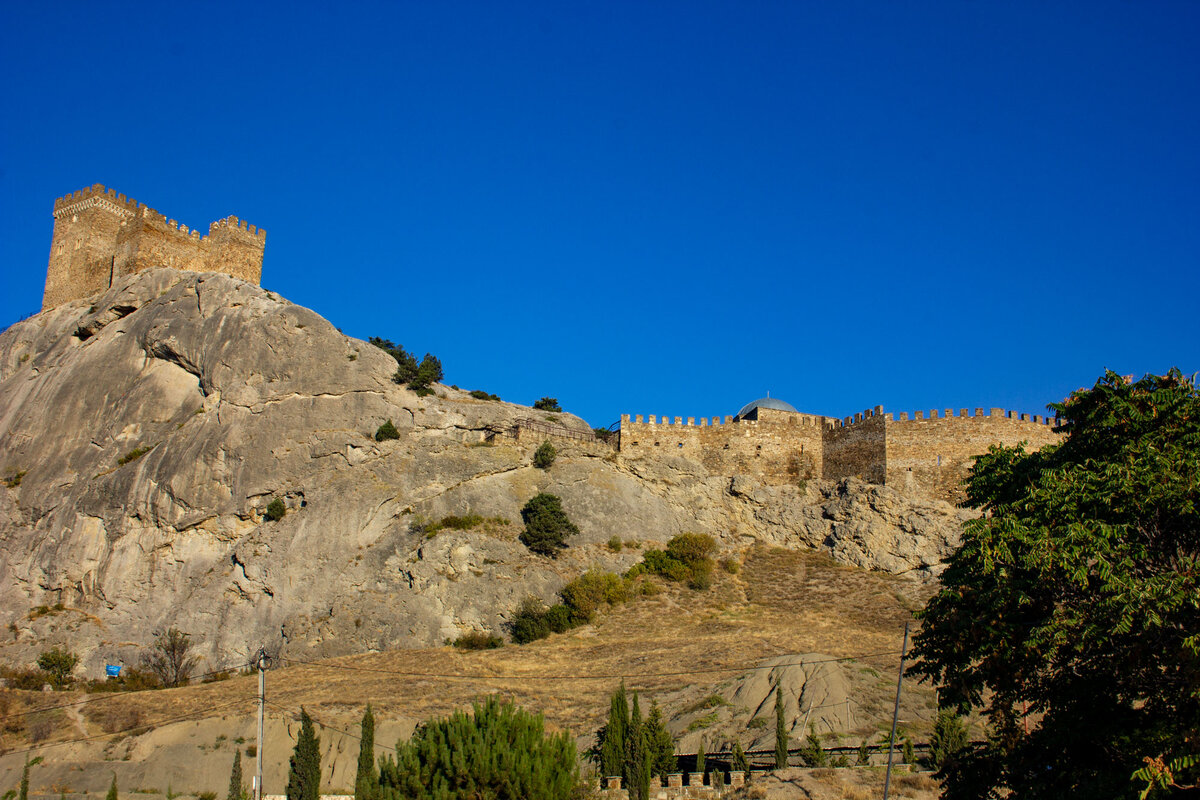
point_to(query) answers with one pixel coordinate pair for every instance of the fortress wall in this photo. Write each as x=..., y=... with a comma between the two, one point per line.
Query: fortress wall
x=99, y=235
x=778, y=447
x=930, y=454
x=856, y=447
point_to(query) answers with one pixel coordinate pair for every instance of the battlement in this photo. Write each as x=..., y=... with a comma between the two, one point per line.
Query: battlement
x=100, y=235
x=925, y=454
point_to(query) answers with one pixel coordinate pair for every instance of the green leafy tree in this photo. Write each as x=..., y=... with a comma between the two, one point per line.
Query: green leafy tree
x=700, y=755
x=948, y=739
x=428, y=372
x=170, y=658
x=610, y=739
x=544, y=456
x=637, y=755
x=811, y=751
x=781, y=733
x=501, y=752
x=366, y=781
x=1073, y=604
x=386, y=431
x=529, y=622
x=57, y=663
x=304, y=767
x=112, y=789
x=236, y=790
x=547, y=404
x=660, y=744
x=546, y=525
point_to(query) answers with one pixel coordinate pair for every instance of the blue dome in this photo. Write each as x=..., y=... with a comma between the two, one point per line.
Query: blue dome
x=765, y=402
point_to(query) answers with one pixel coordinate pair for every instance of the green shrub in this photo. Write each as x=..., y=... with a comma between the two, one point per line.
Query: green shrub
x=547, y=404
x=603, y=434
x=479, y=394
x=478, y=640
x=949, y=737
x=386, y=431
x=659, y=563
x=589, y=591
x=57, y=663
x=614, y=544
x=276, y=510
x=13, y=480
x=463, y=523
x=559, y=618
x=691, y=548
x=546, y=525
x=500, y=752
x=731, y=565
x=701, y=575
x=529, y=622
x=545, y=455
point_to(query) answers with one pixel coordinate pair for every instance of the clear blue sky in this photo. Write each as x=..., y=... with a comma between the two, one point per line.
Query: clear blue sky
x=667, y=208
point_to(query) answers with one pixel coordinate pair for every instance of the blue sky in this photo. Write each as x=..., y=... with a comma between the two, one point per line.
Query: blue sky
x=667, y=208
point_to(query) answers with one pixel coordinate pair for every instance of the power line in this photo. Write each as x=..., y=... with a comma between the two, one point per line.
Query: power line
x=577, y=677
x=156, y=723
x=109, y=696
x=327, y=726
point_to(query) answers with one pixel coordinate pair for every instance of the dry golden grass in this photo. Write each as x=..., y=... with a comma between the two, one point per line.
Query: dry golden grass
x=780, y=602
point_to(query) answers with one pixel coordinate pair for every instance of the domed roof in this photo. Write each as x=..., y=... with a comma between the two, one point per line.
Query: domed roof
x=765, y=402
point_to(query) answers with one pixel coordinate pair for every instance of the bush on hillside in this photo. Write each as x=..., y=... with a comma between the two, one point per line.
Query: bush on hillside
x=57, y=663
x=386, y=431
x=687, y=559
x=546, y=525
x=478, y=640
x=276, y=510
x=545, y=455
x=547, y=404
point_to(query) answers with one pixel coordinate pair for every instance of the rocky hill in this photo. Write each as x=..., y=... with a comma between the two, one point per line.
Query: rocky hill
x=143, y=434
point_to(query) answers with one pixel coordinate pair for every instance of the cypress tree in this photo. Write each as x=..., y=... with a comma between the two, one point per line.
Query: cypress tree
x=740, y=764
x=235, y=777
x=781, y=736
x=660, y=743
x=637, y=756
x=366, y=784
x=304, y=768
x=700, y=757
x=112, y=790
x=612, y=749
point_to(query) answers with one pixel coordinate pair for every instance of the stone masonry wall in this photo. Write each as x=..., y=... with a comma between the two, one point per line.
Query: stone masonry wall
x=923, y=456
x=100, y=235
x=856, y=447
x=778, y=447
x=930, y=455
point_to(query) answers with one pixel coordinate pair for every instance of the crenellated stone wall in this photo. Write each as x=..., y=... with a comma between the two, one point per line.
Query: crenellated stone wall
x=100, y=235
x=926, y=455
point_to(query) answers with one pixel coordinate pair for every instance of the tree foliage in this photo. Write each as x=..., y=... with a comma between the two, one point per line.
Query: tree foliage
x=547, y=404
x=170, y=658
x=416, y=375
x=236, y=790
x=544, y=456
x=304, y=768
x=700, y=756
x=546, y=525
x=948, y=739
x=57, y=663
x=610, y=740
x=637, y=755
x=660, y=744
x=781, y=733
x=386, y=431
x=112, y=789
x=501, y=752
x=1073, y=605
x=366, y=780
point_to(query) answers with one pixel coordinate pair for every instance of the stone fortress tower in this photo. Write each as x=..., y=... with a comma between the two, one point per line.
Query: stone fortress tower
x=100, y=235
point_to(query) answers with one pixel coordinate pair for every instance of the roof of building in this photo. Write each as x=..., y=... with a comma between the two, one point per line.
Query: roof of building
x=765, y=402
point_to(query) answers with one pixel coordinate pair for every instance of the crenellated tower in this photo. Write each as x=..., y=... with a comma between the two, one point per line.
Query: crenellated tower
x=100, y=235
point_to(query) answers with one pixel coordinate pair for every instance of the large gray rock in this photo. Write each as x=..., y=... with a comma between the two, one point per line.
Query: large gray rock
x=150, y=428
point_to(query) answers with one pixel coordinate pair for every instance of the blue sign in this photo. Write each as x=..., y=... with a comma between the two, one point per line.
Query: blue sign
x=112, y=670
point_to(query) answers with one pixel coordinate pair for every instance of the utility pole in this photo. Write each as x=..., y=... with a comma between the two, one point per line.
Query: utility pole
x=887, y=780
x=261, y=662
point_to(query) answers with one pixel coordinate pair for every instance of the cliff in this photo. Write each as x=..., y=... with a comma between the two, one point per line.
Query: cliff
x=144, y=432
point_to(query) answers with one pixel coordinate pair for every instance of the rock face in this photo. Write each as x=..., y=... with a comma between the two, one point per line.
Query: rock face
x=143, y=433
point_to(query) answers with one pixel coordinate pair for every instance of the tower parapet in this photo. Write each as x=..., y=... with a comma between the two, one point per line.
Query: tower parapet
x=100, y=235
